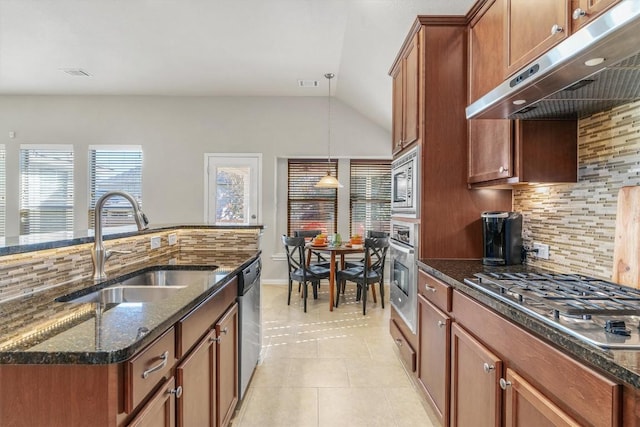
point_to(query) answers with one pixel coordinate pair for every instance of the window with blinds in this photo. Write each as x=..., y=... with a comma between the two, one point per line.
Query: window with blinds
x=3, y=191
x=308, y=207
x=46, y=188
x=114, y=168
x=370, y=198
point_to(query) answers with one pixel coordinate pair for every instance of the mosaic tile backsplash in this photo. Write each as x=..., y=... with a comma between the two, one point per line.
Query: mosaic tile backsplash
x=578, y=220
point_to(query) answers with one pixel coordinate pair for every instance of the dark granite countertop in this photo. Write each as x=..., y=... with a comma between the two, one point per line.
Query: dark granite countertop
x=37, y=242
x=621, y=364
x=91, y=333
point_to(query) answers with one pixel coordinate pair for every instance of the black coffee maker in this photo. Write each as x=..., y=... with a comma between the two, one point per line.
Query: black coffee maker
x=502, y=238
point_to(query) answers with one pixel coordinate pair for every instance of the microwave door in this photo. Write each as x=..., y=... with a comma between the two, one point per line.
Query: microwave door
x=400, y=187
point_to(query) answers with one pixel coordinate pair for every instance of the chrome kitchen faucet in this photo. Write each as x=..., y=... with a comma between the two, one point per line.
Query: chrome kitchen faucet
x=98, y=253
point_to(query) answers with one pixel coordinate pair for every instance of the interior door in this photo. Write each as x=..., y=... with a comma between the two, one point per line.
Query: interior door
x=232, y=193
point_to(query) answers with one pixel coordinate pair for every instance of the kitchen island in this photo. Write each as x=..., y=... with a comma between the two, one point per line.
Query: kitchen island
x=537, y=365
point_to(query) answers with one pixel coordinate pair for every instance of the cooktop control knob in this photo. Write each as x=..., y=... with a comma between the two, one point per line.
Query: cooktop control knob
x=617, y=327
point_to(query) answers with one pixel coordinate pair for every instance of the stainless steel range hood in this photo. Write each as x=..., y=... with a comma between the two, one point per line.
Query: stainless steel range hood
x=559, y=84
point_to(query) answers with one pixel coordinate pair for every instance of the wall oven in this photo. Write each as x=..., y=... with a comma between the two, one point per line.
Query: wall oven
x=405, y=189
x=403, y=286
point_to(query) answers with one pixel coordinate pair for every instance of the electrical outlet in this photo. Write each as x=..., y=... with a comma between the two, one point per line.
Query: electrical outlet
x=173, y=238
x=543, y=250
x=155, y=242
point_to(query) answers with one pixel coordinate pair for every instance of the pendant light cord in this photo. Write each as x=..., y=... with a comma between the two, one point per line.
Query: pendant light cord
x=329, y=76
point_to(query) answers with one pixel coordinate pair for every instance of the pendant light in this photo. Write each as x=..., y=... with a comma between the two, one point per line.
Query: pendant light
x=329, y=181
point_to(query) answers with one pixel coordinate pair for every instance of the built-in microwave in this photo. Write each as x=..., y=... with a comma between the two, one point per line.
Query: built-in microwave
x=405, y=189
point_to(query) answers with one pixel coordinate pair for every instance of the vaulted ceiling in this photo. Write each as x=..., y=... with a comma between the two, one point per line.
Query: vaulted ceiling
x=209, y=47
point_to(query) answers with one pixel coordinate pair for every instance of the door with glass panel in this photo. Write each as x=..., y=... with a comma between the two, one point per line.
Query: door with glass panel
x=231, y=188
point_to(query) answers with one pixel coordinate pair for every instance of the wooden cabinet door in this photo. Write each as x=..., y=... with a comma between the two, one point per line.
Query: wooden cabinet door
x=227, y=365
x=397, y=105
x=583, y=11
x=434, y=362
x=197, y=377
x=490, y=150
x=486, y=41
x=160, y=411
x=532, y=28
x=411, y=89
x=475, y=390
x=525, y=406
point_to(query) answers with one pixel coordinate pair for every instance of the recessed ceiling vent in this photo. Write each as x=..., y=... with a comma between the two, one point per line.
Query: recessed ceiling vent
x=76, y=72
x=308, y=83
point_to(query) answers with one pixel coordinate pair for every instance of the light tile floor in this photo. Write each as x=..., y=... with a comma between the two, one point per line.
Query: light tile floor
x=324, y=368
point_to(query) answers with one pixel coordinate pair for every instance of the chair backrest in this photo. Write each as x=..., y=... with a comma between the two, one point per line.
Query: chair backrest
x=294, y=247
x=374, y=233
x=375, y=253
x=306, y=233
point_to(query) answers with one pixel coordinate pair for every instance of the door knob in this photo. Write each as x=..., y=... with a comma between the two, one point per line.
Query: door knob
x=556, y=29
x=578, y=13
x=488, y=368
x=504, y=383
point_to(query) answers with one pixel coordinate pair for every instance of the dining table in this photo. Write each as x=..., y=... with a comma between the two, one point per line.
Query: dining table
x=334, y=250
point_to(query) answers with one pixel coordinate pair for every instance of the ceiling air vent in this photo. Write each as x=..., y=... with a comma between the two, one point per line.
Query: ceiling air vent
x=76, y=72
x=308, y=83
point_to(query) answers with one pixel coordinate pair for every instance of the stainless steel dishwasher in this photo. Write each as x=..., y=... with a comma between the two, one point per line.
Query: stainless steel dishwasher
x=250, y=340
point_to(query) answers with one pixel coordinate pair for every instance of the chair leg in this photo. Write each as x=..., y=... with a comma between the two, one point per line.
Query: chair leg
x=373, y=293
x=289, y=294
x=315, y=284
x=382, y=293
x=364, y=298
x=304, y=292
x=338, y=286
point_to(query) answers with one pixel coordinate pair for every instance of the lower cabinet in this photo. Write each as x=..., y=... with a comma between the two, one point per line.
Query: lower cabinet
x=475, y=393
x=227, y=365
x=433, y=363
x=160, y=411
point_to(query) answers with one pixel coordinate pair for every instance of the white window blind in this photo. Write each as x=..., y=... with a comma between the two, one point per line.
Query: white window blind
x=46, y=188
x=370, y=199
x=114, y=168
x=311, y=208
x=3, y=191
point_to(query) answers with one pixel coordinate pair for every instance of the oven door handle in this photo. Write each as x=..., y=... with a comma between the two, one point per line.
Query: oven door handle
x=404, y=249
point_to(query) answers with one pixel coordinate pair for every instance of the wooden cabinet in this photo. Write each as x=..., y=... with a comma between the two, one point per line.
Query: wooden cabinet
x=532, y=28
x=405, y=97
x=196, y=374
x=584, y=11
x=407, y=352
x=433, y=361
x=521, y=151
x=475, y=390
x=525, y=406
x=160, y=411
x=226, y=366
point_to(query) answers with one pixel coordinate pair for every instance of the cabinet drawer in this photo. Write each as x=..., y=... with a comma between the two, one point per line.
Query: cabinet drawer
x=199, y=321
x=407, y=353
x=434, y=290
x=148, y=368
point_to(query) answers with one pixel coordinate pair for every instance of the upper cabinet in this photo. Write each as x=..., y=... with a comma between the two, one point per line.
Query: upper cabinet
x=405, y=97
x=532, y=28
x=583, y=11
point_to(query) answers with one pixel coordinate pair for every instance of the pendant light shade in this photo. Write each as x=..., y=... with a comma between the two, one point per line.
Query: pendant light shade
x=329, y=181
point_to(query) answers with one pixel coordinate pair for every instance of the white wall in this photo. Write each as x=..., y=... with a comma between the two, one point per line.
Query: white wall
x=175, y=132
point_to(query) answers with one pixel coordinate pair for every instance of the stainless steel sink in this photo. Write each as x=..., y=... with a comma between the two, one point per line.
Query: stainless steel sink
x=120, y=294
x=168, y=278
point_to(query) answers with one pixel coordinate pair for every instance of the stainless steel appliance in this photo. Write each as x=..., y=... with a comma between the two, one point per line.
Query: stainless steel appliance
x=250, y=332
x=598, y=312
x=502, y=238
x=402, y=254
x=405, y=188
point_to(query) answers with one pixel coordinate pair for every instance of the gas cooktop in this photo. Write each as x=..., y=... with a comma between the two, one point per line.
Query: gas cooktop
x=596, y=311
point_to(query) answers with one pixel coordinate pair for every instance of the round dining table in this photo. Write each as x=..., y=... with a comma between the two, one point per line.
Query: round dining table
x=342, y=250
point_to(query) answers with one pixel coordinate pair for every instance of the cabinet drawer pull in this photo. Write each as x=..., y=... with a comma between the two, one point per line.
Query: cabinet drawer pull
x=399, y=342
x=503, y=169
x=556, y=29
x=176, y=391
x=578, y=13
x=430, y=288
x=488, y=368
x=164, y=357
x=504, y=383
x=442, y=323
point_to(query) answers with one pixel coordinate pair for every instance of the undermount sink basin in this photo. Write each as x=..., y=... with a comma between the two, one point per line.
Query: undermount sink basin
x=167, y=278
x=120, y=294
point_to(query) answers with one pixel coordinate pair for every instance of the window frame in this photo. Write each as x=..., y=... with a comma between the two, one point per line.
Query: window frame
x=357, y=166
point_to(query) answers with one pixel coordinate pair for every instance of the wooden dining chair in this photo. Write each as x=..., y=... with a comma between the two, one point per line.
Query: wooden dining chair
x=372, y=271
x=320, y=259
x=299, y=271
x=360, y=262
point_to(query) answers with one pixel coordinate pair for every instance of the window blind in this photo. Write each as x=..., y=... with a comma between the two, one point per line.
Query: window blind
x=3, y=191
x=114, y=168
x=308, y=207
x=46, y=188
x=370, y=196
